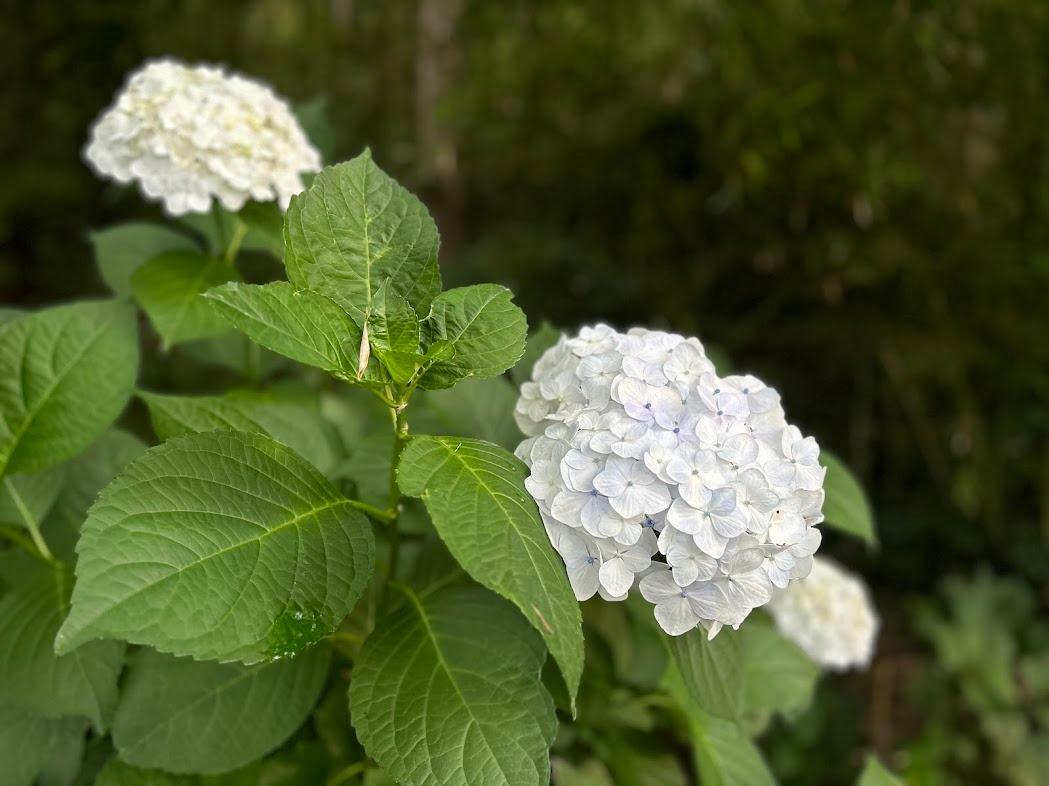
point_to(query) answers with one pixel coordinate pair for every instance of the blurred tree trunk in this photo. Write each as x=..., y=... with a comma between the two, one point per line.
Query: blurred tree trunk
x=436, y=59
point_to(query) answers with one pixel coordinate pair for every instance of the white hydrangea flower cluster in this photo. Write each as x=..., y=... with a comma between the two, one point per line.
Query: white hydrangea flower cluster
x=648, y=467
x=190, y=134
x=829, y=615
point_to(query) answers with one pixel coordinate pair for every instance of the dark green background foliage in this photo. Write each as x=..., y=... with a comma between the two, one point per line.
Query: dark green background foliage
x=849, y=199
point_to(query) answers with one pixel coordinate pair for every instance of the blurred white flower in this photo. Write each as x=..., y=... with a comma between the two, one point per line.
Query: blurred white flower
x=630, y=435
x=191, y=134
x=829, y=615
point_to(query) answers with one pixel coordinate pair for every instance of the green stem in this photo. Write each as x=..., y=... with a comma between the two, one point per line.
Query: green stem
x=346, y=773
x=31, y=523
x=240, y=229
x=379, y=514
x=251, y=362
x=220, y=223
x=400, y=440
x=18, y=536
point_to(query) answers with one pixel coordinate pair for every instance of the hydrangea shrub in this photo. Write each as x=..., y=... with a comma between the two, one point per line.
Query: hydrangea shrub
x=331, y=567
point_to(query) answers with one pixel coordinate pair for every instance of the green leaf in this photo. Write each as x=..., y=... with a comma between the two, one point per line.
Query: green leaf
x=169, y=289
x=188, y=716
x=301, y=325
x=478, y=408
x=447, y=691
x=484, y=327
x=220, y=545
x=28, y=742
x=474, y=492
x=235, y=351
x=117, y=773
x=65, y=375
x=121, y=249
x=26, y=499
x=712, y=671
x=539, y=340
x=846, y=506
x=778, y=676
x=293, y=423
x=875, y=774
x=83, y=682
x=392, y=323
x=354, y=229
x=84, y=477
x=369, y=468
x=723, y=754
x=393, y=329
x=67, y=766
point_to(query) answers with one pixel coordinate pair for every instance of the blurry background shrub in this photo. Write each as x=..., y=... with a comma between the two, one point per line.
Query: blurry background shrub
x=848, y=198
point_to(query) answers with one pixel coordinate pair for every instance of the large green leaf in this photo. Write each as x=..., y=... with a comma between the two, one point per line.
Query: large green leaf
x=723, y=754
x=711, y=670
x=121, y=249
x=484, y=328
x=65, y=375
x=84, y=477
x=355, y=229
x=301, y=325
x=28, y=743
x=846, y=506
x=778, y=676
x=190, y=716
x=169, y=289
x=474, y=492
x=219, y=545
x=478, y=408
x=875, y=774
x=447, y=691
x=83, y=682
x=296, y=424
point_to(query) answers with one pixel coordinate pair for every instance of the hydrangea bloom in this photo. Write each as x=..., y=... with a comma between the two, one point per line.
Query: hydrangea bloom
x=189, y=134
x=651, y=470
x=830, y=616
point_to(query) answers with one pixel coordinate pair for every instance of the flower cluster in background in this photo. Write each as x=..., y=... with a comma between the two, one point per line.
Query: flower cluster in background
x=191, y=134
x=829, y=615
x=637, y=448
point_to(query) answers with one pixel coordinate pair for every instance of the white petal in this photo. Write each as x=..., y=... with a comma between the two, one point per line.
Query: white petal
x=676, y=616
x=616, y=577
